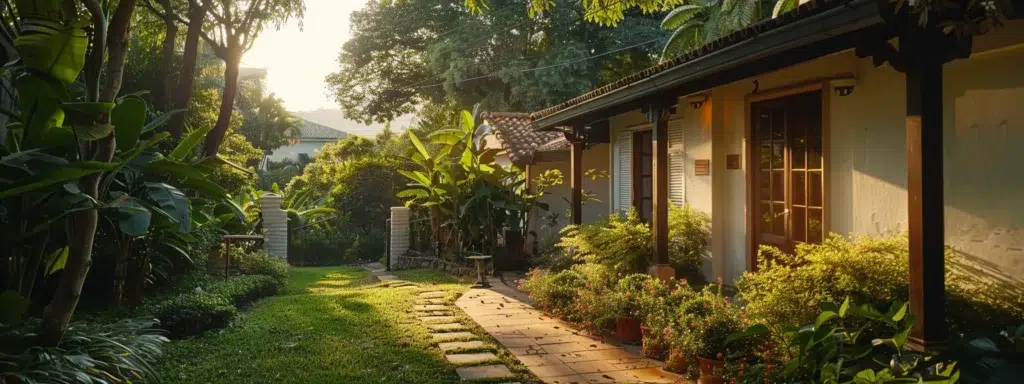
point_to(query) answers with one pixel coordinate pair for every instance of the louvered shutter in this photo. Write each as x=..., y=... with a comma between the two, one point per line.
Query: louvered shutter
x=676, y=173
x=623, y=171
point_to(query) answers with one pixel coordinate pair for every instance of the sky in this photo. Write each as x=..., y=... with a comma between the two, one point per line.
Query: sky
x=297, y=60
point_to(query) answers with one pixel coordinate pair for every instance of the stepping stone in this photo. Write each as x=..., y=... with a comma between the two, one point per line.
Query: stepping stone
x=430, y=301
x=470, y=358
x=449, y=336
x=430, y=307
x=438, y=319
x=433, y=295
x=409, y=286
x=461, y=345
x=387, y=277
x=435, y=313
x=484, y=372
x=446, y=327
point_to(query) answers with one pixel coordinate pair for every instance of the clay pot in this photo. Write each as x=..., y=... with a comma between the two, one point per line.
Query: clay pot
x=676, y=361
x=628, y=331
x=710, y=370
x=655, y=350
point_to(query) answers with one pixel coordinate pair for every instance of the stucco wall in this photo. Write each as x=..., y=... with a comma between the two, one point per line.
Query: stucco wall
x=293, y=151
x=983, y=138
x=596, y=158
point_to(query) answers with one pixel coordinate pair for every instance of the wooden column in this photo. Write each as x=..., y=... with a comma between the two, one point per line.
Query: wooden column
x=658, y=115
x=921, y=49
x=576, y=172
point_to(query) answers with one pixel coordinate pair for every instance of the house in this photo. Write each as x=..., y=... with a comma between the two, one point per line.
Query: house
x=841, y=116
x=312, y=137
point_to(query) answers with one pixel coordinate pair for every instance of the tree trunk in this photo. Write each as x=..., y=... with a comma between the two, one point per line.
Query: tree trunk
x=120, y=269
x=164, y=97
x=82, y=225
x=227, y=103
x=196, y=17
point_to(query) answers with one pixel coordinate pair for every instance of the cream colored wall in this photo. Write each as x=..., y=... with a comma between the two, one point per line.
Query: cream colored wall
x=596, y=158
x=556, y=197
x=984, y=144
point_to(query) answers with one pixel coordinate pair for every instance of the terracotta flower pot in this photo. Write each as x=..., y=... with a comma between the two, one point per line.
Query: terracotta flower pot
x=653, y=347
x=710, y=371
x=676, y=361
x=628, y=330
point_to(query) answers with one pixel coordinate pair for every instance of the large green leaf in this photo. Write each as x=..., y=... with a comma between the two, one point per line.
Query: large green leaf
x=133, y=218
x=189, y=143
x=416, y=176
x=211, y=163
x=679, y=16
x=419, y=145
x=174, y=168
x=52, y=48
x=173, y=202
x=92, y=132
x=56, y=261
x=161, y=120
x=40, y=108
x=68, y=172
x=413, y=193
x=87, y=113
x=128, y=119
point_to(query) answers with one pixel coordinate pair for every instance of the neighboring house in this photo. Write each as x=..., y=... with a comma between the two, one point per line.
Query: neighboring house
x=814, y=123
x=312, y=137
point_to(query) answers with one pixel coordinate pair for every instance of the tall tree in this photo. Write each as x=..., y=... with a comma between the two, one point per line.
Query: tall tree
x=405, y=54
x=265, y=121
x=236, y=25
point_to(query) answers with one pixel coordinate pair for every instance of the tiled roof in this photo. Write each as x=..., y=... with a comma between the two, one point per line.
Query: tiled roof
x=804, y=11
x=516, y=135
x=559, y=144
x=313, y=131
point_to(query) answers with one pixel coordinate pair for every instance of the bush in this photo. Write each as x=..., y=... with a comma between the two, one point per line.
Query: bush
x=705, y=322
x=626, y=244
x=191, y=314
x=243, y=290
x=554, y=292
x=875, y=271
x=89, y=352
x=262, y=263
x=319, y=245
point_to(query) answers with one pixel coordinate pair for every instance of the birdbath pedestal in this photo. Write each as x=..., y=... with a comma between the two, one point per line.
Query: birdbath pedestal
x=481, y=270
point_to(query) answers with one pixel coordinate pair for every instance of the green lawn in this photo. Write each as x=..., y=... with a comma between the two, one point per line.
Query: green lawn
x=328, y=327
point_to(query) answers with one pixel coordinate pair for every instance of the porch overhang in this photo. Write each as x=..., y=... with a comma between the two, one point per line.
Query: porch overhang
x=832, y=29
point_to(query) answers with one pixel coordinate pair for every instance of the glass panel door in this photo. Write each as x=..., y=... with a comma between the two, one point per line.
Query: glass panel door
x=643, y=174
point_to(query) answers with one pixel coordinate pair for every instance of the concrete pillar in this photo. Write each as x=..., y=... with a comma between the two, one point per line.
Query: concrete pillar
x=275, y=221
x=399, y=234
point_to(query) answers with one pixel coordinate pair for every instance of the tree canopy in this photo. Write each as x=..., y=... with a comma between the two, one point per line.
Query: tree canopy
x=409, y=53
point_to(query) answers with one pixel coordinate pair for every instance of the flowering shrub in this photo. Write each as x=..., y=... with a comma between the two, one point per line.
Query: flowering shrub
x=553, y=292
x=705, y=323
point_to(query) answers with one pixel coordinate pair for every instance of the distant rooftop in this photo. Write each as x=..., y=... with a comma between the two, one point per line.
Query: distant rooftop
x=313, y=131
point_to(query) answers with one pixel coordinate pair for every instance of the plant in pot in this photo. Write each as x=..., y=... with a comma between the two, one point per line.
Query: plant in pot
x=659, y=307
x=709, y=319
x=596, y=306
x=629, y=298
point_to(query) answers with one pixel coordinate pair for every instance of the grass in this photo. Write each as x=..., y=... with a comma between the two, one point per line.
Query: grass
x=327, y=327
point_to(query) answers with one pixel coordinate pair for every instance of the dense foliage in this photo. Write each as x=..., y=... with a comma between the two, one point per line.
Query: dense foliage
x=868, y=270
x=625, y=243
x=406, y=53
x=191, y=314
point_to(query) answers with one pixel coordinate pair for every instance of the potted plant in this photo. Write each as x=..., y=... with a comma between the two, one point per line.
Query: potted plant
x=660, y=310
x=711, y=319
x=632, y=297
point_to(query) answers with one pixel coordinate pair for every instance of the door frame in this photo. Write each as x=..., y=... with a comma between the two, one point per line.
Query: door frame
x=750, y=165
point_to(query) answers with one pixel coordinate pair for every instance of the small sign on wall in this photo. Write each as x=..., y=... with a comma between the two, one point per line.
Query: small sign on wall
x=732, y=161
x=702, y=167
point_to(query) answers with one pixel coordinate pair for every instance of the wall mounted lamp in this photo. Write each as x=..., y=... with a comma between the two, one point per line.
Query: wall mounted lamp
x=697, y=101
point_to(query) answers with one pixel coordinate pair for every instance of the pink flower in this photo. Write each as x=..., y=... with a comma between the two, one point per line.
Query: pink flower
x=719, y=356
x=668, y=331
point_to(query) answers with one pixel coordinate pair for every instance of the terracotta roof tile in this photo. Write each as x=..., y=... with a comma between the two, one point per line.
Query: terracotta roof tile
x=812, y=7
x=559, y=144
x=516, y=135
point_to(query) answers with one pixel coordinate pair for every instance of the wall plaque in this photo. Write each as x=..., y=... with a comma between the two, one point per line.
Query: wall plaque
x=702, y=167
x=732, y=161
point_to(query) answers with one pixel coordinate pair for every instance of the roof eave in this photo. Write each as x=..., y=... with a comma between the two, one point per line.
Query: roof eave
x=856, y=15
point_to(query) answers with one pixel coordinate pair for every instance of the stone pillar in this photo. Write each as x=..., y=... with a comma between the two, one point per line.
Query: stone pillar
x=399, y=234
x=275, y=221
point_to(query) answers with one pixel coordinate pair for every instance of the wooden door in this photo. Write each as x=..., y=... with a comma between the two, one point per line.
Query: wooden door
x=643, y=174
x=789, y=170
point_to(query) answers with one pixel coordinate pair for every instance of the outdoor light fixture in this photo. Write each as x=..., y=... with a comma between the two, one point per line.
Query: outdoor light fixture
x=697, y=101
x=843, y=85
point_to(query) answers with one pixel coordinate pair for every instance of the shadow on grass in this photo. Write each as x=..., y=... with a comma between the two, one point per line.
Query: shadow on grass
x=331, y=330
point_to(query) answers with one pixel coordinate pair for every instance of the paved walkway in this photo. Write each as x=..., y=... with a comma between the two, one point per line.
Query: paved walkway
x=552, y=349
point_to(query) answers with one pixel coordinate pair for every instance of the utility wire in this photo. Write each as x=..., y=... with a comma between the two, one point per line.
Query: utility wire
x=544, y=67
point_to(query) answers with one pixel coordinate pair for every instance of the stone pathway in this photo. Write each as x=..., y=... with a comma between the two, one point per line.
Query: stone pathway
x=552, y=349
x=476, y=360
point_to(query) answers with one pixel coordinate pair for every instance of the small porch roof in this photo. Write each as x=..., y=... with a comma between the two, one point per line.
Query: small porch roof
x=513, y=131
x=815, y=29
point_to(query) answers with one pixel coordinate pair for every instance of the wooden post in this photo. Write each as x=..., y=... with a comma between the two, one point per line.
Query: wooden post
x=658, y=115
x=576, y=172
x=921, y=48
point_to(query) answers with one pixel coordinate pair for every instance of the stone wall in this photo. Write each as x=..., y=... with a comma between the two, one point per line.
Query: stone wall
x=413, y=262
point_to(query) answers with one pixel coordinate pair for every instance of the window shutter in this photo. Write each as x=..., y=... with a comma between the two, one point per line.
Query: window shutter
x=676, y=173
x=623, y=171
